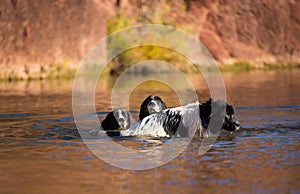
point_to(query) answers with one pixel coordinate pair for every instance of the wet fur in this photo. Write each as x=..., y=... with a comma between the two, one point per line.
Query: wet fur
x=185, y=121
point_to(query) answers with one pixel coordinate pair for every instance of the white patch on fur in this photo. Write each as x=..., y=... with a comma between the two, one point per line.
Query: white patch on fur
x=153, y=125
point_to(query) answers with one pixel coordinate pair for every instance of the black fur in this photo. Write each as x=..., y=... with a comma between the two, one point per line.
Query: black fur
x=171, y=121
x=222, y=110
x=147, y=102
x=115, y=121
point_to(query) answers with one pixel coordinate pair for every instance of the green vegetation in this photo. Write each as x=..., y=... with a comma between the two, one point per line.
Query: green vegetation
x=118, y=23
x=53, y=71
x=281, y=66
x=142, y=53
x=59, y=71
x=242, y=66
x=237, y=66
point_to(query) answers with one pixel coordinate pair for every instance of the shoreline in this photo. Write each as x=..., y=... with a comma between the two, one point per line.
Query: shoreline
x=67, y=72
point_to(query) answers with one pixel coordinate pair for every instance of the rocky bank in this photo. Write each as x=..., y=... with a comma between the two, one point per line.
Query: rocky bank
x=49, y=38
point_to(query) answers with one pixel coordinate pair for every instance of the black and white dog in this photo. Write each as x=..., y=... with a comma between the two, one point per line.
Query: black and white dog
x=186, y=121
x=116, y=120
x=152, y=104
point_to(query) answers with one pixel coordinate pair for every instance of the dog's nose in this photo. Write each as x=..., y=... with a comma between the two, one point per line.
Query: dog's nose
x=151, y=103
x=236, y=122
x=121, y=120
x=237, y=125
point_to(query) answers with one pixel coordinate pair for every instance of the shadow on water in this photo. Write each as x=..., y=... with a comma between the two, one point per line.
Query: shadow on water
x=42, y=149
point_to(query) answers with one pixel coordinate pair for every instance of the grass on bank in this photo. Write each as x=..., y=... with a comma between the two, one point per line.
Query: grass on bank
x=58, y=71
x=53, y=71
x=242, y=66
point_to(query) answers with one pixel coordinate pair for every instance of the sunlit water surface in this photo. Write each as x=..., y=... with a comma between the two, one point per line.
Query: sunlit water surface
x=42, y=152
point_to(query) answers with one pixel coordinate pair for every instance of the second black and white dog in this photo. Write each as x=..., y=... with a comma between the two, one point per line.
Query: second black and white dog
x=186, y=121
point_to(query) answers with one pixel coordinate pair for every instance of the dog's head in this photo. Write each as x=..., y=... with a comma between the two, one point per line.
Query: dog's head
x=152, y=104
x=117, y=119
x=122, y=118
x=221, y=111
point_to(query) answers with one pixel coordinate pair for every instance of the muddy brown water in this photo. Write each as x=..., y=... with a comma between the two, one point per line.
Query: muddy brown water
x=41, y=151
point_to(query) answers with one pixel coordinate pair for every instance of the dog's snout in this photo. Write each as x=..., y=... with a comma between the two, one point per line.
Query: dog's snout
x=121, y=120
x=236, y=124
x=231, y=124
x=122, y=123
x=152, y=103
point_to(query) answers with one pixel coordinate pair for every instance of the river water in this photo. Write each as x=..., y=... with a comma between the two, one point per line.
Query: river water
x=42, y=152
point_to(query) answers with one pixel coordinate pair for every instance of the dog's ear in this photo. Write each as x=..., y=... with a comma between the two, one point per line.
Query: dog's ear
x=110, y=122
x=229, y=109
x=143, y=109
x=205, y=113
x=219, y=107
x=208, y=103
x=213, y=107
x=164, y=106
